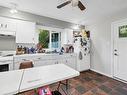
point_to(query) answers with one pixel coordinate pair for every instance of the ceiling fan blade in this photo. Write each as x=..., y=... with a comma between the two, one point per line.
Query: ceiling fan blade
x=64, y=4
x=81, y=6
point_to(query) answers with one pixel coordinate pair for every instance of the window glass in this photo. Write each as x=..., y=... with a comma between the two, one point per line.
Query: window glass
x=49, y=39
x=55, y=40
x=44, y=37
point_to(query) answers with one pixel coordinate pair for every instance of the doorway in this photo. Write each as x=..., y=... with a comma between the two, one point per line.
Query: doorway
x=119, y=37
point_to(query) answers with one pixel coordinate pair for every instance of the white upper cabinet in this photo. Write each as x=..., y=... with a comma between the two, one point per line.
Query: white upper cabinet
x=25, y=32
x=7, y=25
x=67, y=36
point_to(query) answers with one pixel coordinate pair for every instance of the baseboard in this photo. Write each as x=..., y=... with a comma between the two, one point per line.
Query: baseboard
x=109, y=76
x=102, y=73
x=120, y=80
x=84, y=70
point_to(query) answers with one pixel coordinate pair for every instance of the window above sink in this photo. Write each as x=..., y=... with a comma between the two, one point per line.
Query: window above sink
x=49, y=37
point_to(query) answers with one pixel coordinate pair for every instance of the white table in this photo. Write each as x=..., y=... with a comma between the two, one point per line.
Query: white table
x=41, y=76
x=16, y=81
x=10, y=81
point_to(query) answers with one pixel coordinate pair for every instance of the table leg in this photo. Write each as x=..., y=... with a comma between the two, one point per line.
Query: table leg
x=59, y=86
x=66, y=84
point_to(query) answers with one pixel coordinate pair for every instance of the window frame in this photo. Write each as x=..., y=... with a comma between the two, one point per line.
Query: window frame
x=51, y=30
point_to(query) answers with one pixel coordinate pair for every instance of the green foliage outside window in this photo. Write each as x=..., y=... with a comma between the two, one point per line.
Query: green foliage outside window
x=123, y=31
x=44, y=38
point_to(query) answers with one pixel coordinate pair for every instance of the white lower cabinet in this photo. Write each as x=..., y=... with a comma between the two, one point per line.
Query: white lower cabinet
x=44, y=60
x=42, y=63
x=83, y=64
x=71, y=62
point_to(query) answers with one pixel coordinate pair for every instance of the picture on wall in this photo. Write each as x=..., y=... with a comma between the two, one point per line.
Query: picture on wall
x=123, y=31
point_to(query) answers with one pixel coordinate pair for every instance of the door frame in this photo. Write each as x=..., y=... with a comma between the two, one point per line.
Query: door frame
x=112, y=46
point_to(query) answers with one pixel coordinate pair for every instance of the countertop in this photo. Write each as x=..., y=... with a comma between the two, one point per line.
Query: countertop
x=8, y=58
x=44, y=54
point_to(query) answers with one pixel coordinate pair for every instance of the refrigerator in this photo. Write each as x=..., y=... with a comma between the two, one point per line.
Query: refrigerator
x=82, y=49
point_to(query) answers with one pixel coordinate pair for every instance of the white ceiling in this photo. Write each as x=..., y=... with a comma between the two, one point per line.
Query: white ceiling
x=95, y=9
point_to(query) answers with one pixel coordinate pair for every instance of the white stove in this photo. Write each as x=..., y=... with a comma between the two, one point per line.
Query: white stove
x=6, y=61
x=7, y=53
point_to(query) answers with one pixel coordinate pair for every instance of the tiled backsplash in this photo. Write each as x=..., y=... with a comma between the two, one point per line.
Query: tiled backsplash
x=7, y=43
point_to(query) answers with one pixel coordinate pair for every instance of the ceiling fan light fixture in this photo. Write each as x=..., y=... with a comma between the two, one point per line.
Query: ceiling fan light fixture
x=14, y=8
x=13, y=11
x=75, y=3
x=76, y=27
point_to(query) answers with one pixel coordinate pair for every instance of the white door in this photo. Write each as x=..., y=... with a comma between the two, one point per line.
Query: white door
x=120, y=49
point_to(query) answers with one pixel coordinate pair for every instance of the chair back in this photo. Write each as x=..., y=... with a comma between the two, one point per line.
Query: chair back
x=25, y=65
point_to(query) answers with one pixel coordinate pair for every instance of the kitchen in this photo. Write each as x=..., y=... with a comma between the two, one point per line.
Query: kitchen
x=14, y=44
x=41, y=37
x=17, y=47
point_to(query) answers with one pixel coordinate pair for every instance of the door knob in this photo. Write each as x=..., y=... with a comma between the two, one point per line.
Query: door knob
x=116, y=54
x=115, y=50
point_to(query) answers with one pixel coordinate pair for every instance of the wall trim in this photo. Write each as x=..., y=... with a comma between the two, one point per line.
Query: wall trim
x=119, y=80
x=110, y=76
x=101, y=73
x=112, y=48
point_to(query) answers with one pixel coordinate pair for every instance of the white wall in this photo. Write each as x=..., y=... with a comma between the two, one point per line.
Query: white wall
x=100, y=47
x=101, y=43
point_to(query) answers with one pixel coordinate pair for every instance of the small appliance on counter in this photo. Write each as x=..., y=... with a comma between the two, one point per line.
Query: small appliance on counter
x=25, y=50
x=68, y=48
x=39, y=48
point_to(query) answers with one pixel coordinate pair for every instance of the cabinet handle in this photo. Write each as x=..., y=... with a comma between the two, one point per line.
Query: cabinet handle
x=39, y=58
x=56, y=62
x=1, y=25
x=6, y=26
x=24, y=59
x=116, y=54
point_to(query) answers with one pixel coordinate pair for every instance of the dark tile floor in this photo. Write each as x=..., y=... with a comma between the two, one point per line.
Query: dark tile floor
x=91, y=83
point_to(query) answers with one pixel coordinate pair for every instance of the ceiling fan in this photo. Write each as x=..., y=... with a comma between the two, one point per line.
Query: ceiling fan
x=74, y=4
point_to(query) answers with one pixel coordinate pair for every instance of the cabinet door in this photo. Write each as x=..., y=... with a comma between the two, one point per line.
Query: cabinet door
x=25, y=32
x=67, y=37
x=83, y=64
x=7, y=24
x=42, y=63
x=71, y=62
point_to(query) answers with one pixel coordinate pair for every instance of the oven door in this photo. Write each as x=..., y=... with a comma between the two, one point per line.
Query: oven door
x=4, y=67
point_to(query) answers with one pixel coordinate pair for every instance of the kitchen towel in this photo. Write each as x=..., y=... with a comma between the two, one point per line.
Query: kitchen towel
x=80, y=55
